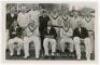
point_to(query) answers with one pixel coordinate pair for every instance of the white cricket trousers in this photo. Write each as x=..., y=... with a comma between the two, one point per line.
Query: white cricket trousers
x=7, y=38
x=66, y=40
x=87, y=43
x=91, y=35
x=52, y=43
x=12, y=46
x=37, y=45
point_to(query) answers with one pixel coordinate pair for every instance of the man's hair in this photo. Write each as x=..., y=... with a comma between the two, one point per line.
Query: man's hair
x=44, y=11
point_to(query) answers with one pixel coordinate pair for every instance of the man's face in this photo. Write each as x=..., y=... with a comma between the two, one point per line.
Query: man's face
x=23, y=9
x=66, y=29
x=34, y=8
x=79, y=24
x=75, y=16
x=67, y=16
x=15, y=23
x=12, y=10
x=54, y=11
x=49, y=27
x=89, y=17
x=44, y=14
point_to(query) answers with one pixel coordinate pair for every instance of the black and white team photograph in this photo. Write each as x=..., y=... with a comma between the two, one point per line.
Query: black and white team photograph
x=50, y=31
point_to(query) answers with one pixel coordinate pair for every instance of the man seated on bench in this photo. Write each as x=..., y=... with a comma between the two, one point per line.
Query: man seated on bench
x=50, y=37
x=66, y=34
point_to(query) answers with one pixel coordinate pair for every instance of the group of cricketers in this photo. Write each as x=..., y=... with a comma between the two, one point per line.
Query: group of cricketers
x=49, y=30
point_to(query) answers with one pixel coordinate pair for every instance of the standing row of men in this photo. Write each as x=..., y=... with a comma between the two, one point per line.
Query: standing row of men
x=42, y=28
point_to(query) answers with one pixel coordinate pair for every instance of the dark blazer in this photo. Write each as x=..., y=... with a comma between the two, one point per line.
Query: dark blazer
x=10, y=20
x=43, y=21
x=52, y=32
x=83, y=34
x=18, y=31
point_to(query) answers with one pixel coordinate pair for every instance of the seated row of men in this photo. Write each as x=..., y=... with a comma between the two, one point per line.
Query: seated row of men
x=74, y=38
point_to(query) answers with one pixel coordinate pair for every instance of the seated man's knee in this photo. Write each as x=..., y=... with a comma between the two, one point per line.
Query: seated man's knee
x=62, y=41
x=45, y=41
x=36, y=40
x=71, y=41
x=76, y=39
x=87, y=40
x=35, y=37
x=11, y=42
x=54, y=41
